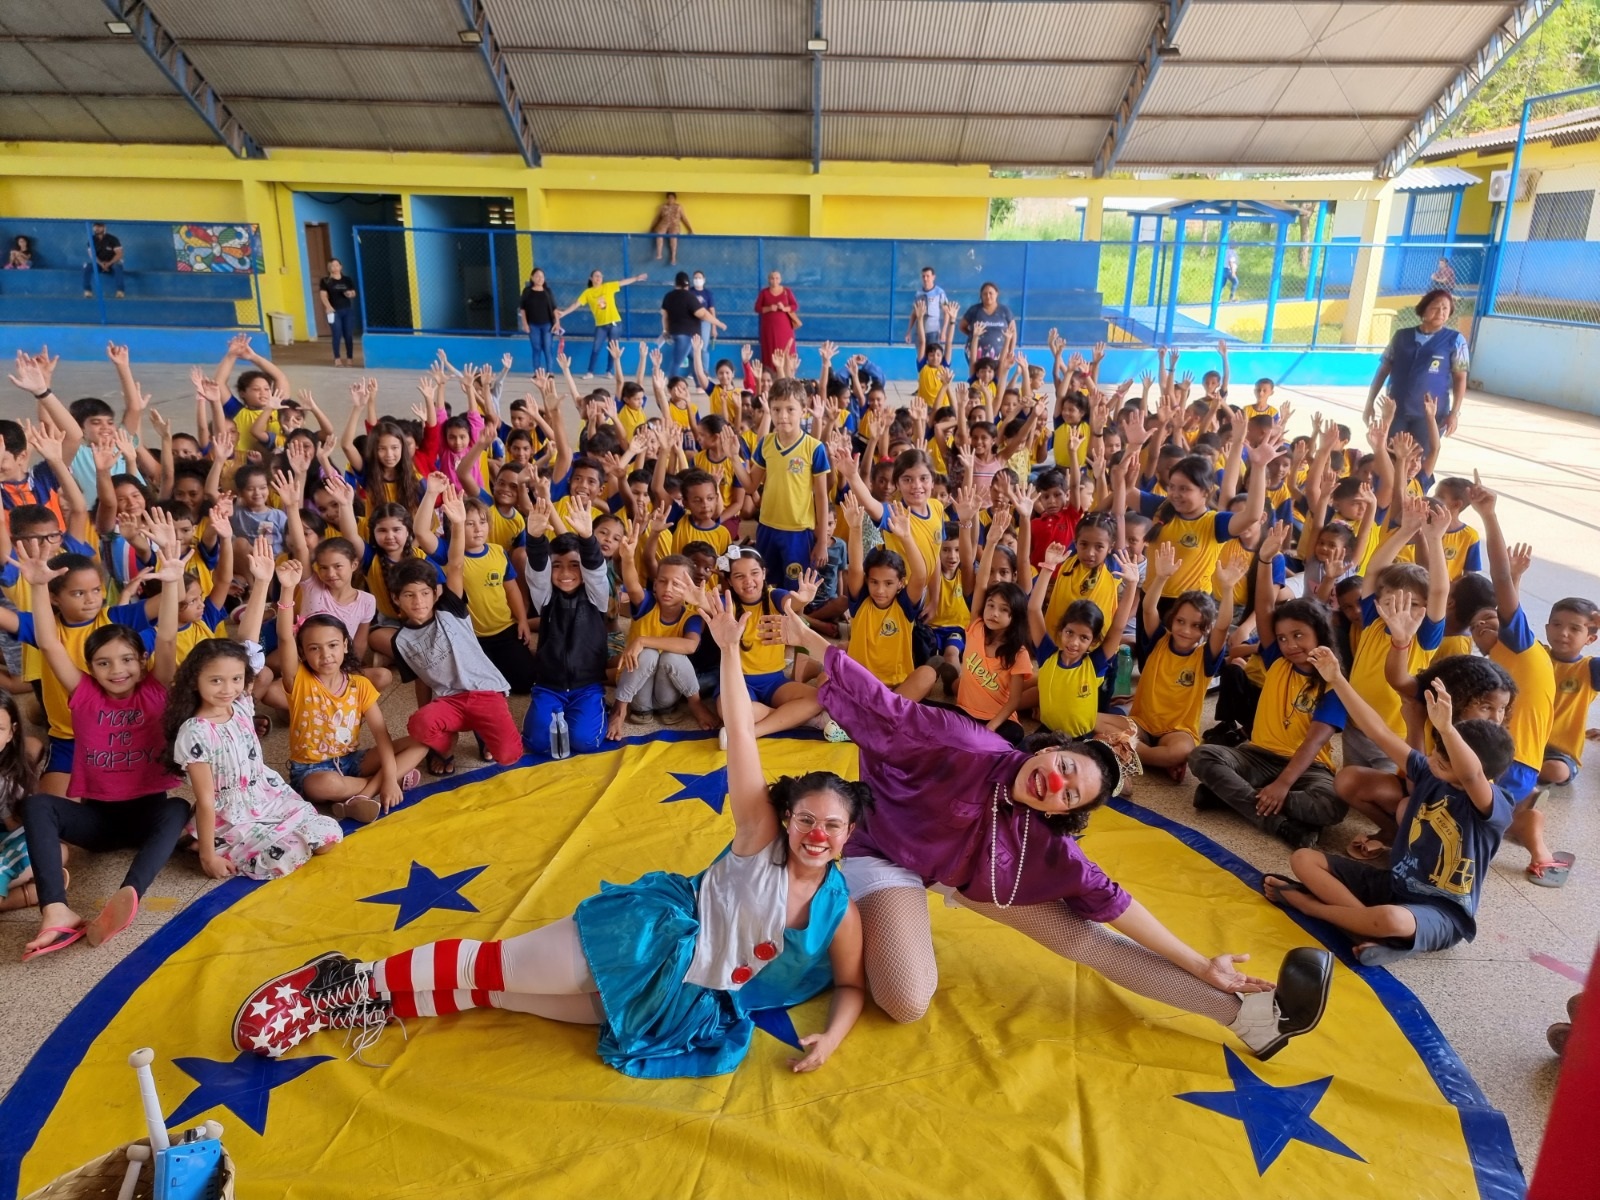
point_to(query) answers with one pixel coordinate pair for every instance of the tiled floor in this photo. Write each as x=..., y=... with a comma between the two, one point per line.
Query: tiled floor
x=1492, y=998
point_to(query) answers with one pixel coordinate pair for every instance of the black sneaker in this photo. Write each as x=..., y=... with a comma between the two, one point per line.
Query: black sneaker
x=1205, y=800
x=1298, y=834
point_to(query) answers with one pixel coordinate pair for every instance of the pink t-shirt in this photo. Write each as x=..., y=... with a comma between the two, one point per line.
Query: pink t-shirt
x=119, y=741
x=314, y=598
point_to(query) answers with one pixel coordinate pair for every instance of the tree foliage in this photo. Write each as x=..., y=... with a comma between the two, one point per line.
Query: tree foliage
x=1563, y=53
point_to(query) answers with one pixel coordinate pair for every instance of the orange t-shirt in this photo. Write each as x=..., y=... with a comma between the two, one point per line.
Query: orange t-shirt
x=985, y=686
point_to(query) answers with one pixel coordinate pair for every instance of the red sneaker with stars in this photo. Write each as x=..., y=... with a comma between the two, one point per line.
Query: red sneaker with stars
x=329, y=992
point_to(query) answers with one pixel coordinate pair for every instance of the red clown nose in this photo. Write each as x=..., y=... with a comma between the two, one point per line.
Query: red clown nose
x=1055, y=781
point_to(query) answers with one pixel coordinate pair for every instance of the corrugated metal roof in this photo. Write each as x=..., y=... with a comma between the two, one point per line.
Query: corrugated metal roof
x=336, y=22
x=74, y=68
x=1258, y=143
x=731, y=84
x=1490, y=139
x=101, y=119
x=62, y=18
x=1299, y=31
x=339, y=74
x=356, y=126
x=979, y=27
x=1416, y=179
x=720, y=26
x=704, y=135
x=974, y=139
x=948, y=87
x=580, y=130
x=1308, y=88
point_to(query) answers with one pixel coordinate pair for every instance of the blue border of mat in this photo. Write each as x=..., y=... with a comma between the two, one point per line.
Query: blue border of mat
x=38, y=1088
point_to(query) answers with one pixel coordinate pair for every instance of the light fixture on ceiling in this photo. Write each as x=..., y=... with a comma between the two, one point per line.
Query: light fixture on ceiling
x=120, y=28
x=817, y=45
x=470, y=37
x=1167, y=50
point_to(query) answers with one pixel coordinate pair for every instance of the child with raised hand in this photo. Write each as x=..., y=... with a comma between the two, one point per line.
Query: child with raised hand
x=117, y=758
x=1450, y=829
x=790, y=469
x=780, y=703
x=884, y=591
x=1572, y=627
x=1281, y=779
x=925, y=515
x=1192, y=527
x=247, y=820
x=1090, y=572
x=654, y=672
x=1072, y=659
x=329, y=701
x=435, y=643
x=1178, y=655
x=996, y=668
x=570, y=595
x=1529, y=664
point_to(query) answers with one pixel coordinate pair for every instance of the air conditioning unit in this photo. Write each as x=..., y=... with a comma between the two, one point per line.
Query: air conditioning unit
x=1500, y=186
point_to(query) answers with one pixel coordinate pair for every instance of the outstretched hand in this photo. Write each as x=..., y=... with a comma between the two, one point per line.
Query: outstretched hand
x=1222, y=974
x=721, y=617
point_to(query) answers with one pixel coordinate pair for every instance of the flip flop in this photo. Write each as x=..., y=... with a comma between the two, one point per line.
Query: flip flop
x=96, y=931
x=1285, y=884
x=1377, y=954
x=1367, y=848
x=363, y=810
x=441, y=764
x=1552, y=874
x=410, y=779
x=68, y=935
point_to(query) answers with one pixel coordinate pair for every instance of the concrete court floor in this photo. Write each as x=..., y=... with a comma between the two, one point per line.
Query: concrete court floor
x=1493, y=998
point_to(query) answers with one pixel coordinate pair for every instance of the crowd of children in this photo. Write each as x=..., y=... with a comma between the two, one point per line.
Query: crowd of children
x=1031, y=547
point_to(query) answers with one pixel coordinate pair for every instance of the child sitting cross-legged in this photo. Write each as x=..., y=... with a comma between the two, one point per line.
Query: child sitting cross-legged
x=571, y=595
x=654, y=672
x=1072, y=658
x=1450, y=828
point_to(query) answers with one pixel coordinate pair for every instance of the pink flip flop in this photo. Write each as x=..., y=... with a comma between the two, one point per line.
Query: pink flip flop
x=68, y=935
x=97, y=930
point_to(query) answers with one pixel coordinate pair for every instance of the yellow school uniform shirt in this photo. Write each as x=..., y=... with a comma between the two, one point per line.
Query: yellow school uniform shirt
x=682, y=414
x=1575, y=692
x=602, y=302
x=685, y=531
x=953, y=611
x=1270, y=410
x=725, y=402
x=756, y=656
x=324, y=725
x=653, y=624
x=941, y=456
x=880, y=638
x=503, y=530
x=1533, y=671
x=564, y=510
x=787, y=499
x=243, y=420
x=928, y=384
x=1171, y=690
x=1366, y=671
x=379, y=586
x=1074, y=581
x=927, y=531
x=1460, y=551
x=1069, y=695
x=1198, y=548
x=1284, y=713
x=720, y=469
x=190, y=636
x=55, y=693
x=1061, y=445
x=629, y=420
x=483, y=579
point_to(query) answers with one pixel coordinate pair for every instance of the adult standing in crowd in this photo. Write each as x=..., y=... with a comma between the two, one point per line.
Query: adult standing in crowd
x=338, y=294
x=601, y=299
x=780, y=317
x=933, y=302
x=536, y=310
x=985, y=325
x=106, y=251
x=670, y=221
x=682, y=318
x=1430, y=359
x=705, y=299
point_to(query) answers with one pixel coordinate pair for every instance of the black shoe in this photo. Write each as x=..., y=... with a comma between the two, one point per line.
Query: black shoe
x=1225, y=733
x=1298, y=834
x=1205, y=800
x=1267, y=1020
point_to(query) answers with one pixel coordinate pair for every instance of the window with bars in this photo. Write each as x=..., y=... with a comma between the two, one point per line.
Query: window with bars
x=1560, y=216
x=1430, y=214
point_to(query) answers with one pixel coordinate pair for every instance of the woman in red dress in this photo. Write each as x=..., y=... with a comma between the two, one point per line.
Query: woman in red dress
x=778, y=310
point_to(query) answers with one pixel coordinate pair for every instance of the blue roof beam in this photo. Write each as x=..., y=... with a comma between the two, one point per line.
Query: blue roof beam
x=477, y=18
x=1160, y=45
x=1511, y=33
x=170, y=59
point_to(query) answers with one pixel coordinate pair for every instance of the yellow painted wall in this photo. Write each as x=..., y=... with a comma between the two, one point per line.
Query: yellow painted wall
x=174, y=199
x=1475, y=207
x=904, y=217
x=1561, y=169
x=584, y=211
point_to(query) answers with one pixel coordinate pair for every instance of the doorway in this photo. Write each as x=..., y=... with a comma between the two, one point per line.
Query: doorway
x=319, y=249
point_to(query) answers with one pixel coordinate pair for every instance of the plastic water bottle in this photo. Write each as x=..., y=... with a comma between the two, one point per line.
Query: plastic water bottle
x=1124, y=685
x=560, y=740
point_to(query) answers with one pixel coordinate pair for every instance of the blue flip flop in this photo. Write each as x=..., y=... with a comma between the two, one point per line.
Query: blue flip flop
x=1552, y=874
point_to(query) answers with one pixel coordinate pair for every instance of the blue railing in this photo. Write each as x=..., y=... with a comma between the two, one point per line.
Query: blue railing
x=858, y=291
x=174, y=273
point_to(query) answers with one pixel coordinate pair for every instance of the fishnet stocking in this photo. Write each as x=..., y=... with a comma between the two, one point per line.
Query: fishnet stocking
x=1123, y=962
x=901, y=971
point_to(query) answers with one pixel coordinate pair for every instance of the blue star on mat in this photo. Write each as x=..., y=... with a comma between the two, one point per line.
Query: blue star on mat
x=1272, y=1116
x=776, y=1022
x=424, y=891
x=711, y=788
x=243, y=1086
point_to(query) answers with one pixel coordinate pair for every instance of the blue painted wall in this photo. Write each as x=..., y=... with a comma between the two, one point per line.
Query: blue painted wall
x=453, y=279
x=341, y=213
x=1568, y=358
x=87, y=343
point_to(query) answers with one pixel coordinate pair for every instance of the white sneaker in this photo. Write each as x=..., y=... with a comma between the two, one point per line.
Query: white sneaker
x=1267, y=1020
x=834, y=733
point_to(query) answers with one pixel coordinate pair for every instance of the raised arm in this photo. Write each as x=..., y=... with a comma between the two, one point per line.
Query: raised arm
x=289, y=575
x=255, y=607
x=34, y=566
x=755, y=823
x=1326, y=661
x=1054, y=555
x=1507, y=596
x=855, y=574
x=1271, y=547
x=1463, y=761
x=455, y=511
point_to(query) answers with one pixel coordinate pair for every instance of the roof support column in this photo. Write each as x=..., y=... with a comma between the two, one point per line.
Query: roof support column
x=816, y=90
x=1368, y=271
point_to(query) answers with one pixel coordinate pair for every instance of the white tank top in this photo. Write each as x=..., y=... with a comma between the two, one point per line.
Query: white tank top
x=743, y=910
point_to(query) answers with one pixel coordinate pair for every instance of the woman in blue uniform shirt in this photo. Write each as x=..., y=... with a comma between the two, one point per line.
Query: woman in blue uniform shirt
x=1429, y=359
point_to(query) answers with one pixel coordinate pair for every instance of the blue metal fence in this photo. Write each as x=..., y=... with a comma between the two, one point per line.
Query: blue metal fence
x=175, y=273
x=859, y=291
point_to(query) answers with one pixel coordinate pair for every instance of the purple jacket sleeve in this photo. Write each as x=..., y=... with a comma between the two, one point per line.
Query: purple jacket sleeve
x=876, y=717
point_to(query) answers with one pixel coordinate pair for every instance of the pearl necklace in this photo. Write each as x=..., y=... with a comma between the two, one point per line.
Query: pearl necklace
x=994, y=842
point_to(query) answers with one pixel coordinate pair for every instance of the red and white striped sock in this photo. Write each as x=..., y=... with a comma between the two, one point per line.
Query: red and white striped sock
x=441, y=1003
x=447, y=966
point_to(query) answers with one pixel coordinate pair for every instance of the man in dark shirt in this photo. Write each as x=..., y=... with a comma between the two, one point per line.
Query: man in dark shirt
x=107, y=251
x=681, y=315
